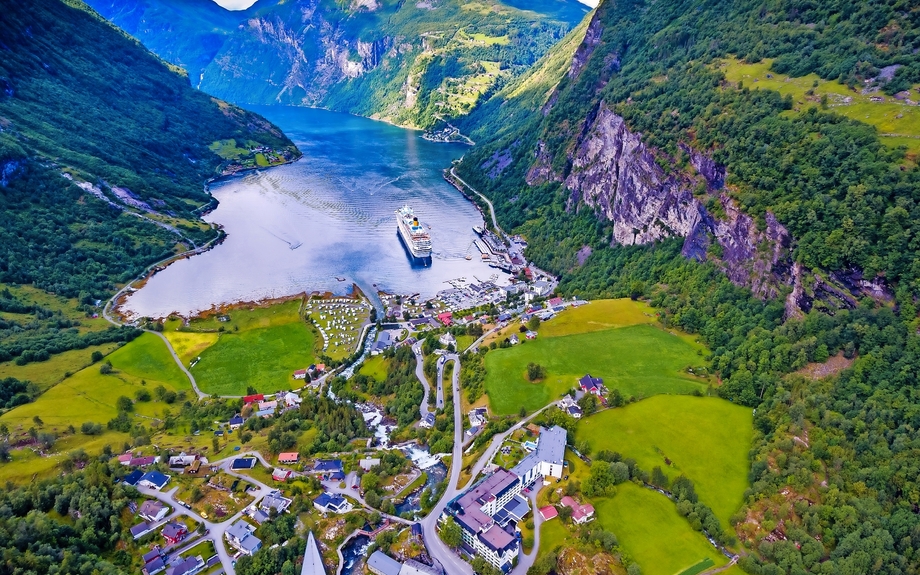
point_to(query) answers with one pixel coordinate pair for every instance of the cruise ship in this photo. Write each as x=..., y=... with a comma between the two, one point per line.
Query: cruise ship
x=412, y=233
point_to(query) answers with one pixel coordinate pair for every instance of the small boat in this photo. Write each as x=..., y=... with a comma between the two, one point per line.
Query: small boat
x=469, y=257
x=340, y=279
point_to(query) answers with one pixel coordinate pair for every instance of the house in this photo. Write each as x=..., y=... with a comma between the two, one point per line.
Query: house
x=566, y=402
x=312, y=558
x=384, y=341
x=514, y=339
x=174, y=532
x=182, y=460
x=265, y=413
x=332, y=503
x=547, y=459
x=255, y=398
x=141, y=529
x=154, y=566
x=236, y=421
x=133, y=477
x=240, y=537
x=257, y=515
x=153, y=480
x=574, y=411
x=291, y=399
x=590, y=384
x=300, y=374
x=243, y=463
x=125, y=458
x=328, y=466
x=194, y=467
x=541, y=288
x=448, y=339
x=446, y=318
x=548, y=512
x=530, y=334
x=143, y=461
x=427, y=421
x=555, y=302
x=276, y=501
x=288, y=458
x=580, y=513
x=153, y=510
x=151, y=555
x=369, y=463
x=189, y=566
x=380, y=563
x=281, y=474
x=268, y=405
x=478, y=416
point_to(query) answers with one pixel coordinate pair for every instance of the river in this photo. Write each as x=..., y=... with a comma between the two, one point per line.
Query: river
x=337, y=202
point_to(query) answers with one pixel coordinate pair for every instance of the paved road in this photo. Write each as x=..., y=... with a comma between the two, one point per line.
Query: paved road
x=451, y=562
x=526, y=561
x=485, y=199
x=424, y=408
x=442, y=363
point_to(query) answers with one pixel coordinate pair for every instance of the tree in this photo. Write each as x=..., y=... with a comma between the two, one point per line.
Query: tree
x=105, y=368
x=38, y=421
x=124, y=404
x=91, y=428
x=533, y=324
x=659, y=478
x=565, y=513
x=142, y=395
x=523, y=411
x=620, y=472
x=451, y=533
x=535, y=371
x=96, y=356
x=215, y=444
x=634, y=569
x=588, y=403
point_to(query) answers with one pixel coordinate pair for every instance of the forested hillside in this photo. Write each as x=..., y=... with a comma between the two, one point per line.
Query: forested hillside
x=412, y=63
x=135, y=142
x=653, y=169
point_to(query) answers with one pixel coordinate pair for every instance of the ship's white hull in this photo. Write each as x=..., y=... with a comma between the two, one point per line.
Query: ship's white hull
x=413, y=247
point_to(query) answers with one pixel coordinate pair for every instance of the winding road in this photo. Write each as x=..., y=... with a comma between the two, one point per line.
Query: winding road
x=424, y=408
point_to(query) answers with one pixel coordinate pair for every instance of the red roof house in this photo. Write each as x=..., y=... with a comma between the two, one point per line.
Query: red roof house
x=580, y=513
x=548, y=512
x=253, y=398
x=446, y=318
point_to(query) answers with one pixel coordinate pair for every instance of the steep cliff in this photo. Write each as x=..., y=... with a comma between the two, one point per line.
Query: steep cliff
x=662, y=149
x=412, y=63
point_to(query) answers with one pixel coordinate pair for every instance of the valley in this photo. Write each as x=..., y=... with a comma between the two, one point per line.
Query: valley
x=668, y=325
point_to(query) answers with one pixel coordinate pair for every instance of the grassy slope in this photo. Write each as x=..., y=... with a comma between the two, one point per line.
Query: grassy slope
x=599, y=315
x=639, y=360
x=707, y=439
x=90, y=396
x=897, y=122
x=270, y=344
x=375, y=367
x=651, y=530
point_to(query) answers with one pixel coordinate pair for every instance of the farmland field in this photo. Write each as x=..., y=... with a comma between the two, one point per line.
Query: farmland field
x=599, y=315
x=640, y=361
x=259, y=347
x=652, y=532
x=706, y=438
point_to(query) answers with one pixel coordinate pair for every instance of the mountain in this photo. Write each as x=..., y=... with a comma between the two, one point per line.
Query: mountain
x=104, y=150
x=751, y=169
x=411, y=63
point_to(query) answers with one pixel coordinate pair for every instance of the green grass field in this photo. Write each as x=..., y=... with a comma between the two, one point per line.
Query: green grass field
x=706, y=438
x=264, y=358
x=597, y=316
x=640, y=360
x=375, y=367
x=188, y=344
x=48, y=373
x=898, y=123
x=90, y=396
x=652, y=532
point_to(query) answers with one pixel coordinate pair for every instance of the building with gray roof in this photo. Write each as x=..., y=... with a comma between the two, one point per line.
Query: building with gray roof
x=547, y=459
x=312, y=558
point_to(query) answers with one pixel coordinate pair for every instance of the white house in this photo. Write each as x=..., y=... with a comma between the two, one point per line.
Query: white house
x=547, y=460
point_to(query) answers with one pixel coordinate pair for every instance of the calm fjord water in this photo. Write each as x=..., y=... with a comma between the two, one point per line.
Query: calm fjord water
x=338, y=202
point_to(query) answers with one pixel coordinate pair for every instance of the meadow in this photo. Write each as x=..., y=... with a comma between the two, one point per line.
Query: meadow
x=640, y=361
x=88, y=395
x=652, y=532
x=705, y=438
x=897, y=122
x=597, y=316
x=375, y=367
x=256, y=346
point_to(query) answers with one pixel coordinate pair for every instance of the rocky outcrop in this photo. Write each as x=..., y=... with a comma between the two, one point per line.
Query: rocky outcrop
x=614, y=173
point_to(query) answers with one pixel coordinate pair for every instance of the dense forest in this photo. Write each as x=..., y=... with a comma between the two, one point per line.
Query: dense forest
x=79, y=97
x=849, y=202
